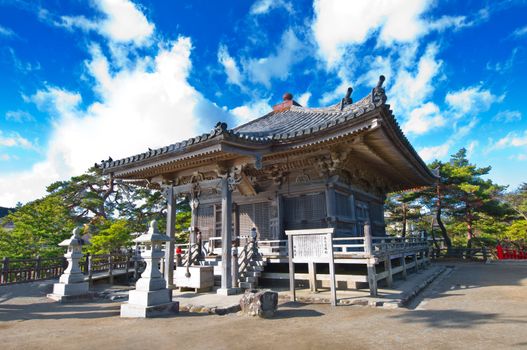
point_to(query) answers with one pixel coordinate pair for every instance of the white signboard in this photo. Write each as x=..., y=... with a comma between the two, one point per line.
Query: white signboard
x=311, y=246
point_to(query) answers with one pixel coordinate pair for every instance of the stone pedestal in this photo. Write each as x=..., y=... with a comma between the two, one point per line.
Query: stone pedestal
x=151, y=297
x=201, y=278
x=71, y=286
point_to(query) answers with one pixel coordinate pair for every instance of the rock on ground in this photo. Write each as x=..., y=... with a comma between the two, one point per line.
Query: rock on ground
x=259, y=303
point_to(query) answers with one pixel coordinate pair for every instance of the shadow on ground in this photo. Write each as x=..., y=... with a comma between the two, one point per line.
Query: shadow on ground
x=453, y=318
x=51, y=310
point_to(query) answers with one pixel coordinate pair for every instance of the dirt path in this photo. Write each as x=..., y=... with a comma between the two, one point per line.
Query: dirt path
x=475, y=306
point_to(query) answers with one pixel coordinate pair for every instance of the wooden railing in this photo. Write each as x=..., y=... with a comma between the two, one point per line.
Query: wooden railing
x=27, y=270
x=481, y=254
x=24, y=270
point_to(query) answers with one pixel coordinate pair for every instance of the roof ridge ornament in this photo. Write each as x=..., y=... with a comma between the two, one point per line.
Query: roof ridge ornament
x=347, y=99
x=220, y=128
x=378, y=95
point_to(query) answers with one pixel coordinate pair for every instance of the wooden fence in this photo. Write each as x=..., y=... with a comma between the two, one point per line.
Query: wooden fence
x=478, y=254
x=27, y=270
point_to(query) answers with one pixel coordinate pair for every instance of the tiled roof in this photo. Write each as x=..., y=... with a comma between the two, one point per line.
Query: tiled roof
x=298, y=120
x=291, y=122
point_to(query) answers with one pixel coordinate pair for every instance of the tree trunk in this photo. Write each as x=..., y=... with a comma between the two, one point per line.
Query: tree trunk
x=444, y=233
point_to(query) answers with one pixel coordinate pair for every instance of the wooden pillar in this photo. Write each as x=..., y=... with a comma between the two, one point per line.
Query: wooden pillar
x=331, y=204
x=403, y=261
x=388, y=268
x=171, y=233
x=312, y=269
x=416, y=262
x=279, y=217
x=370, y=266
x=226, y=238
x=291, y=268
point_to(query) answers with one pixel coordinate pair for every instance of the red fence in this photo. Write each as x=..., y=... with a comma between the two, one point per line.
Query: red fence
x=509, y=253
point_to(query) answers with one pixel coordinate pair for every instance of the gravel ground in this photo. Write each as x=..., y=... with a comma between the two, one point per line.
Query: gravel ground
x=474, y=306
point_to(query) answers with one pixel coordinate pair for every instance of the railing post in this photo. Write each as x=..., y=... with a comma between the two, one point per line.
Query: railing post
x=89, y=269
x=368, y=248
x=110, y=268
x=127, y=265
x=485, y=256
x=37, y=268
x=235, y=273
x=5, y=270
x=86, y=263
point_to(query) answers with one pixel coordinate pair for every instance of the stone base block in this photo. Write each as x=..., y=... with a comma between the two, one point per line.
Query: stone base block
x=73, y=278
x=71, y=298
x=144, y=298
x=136, y=311
x=70, y=289
x=228, y=291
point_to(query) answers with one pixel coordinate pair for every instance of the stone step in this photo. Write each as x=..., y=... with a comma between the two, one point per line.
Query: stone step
x=255, y=268
x=251, y=274
x=247, y=285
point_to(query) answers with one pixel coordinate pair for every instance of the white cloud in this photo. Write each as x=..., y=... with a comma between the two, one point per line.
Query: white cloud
x=520, y=32
x=471, y=148
x=6, y=32
x=261, y=7
x=435, y=152
x=229, y=64
x=512, y=139
x=19, y=116
x=124, y=22
x=304, y=99
x=251, y=111
x=340, y=24
x=14, y=139
x=413, y=87
x=445, y=22
x=424, y=119
x=147, y=105
x=508, y=116
x=277, y=65
x=471, y=100
x=5, y=157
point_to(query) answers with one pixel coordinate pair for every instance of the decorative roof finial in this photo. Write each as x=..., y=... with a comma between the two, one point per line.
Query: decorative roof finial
x=287, y=96
x=378, y=96
x=381, y=81
x=347, y=99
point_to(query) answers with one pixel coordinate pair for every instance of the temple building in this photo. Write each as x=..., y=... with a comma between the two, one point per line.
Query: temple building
x=291, y=169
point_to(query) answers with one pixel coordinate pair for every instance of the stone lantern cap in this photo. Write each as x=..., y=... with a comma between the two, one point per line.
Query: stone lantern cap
x=74, y=240
x=153, y=235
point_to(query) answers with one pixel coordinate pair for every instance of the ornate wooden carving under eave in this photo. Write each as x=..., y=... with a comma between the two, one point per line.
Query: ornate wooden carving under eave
x=328, y=165
x=245, y=186
x=278, y=173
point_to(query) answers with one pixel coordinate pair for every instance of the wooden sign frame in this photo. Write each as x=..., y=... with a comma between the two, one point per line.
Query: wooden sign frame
x=323, y=256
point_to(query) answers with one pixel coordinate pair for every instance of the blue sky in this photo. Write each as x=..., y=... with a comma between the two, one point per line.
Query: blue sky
x=84, y=80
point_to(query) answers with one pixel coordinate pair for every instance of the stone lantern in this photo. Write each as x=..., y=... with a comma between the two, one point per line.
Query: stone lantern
x=71, y=284
x=151, y=297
